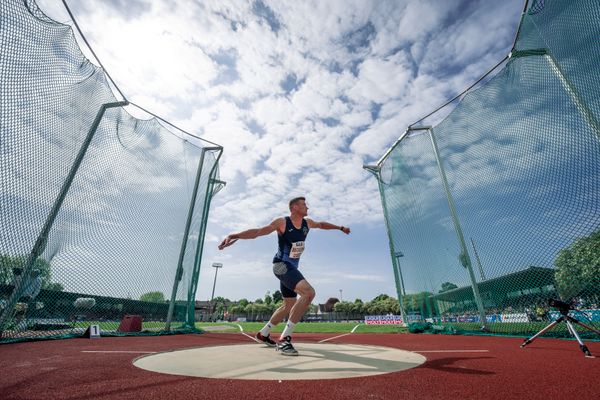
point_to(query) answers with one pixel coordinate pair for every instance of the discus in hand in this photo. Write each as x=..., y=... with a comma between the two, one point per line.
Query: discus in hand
x=226, y=243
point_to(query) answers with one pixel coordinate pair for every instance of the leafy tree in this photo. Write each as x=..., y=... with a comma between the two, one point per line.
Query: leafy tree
x=8, y=263
x=153, y=297
x=447, y=286
x=391, y=305
x=375, y=307
x=382, y=304
x=259, y=301
x=381, y=297
x=358, y=306
x=343, y=307
x=277, y=296
x=268, y=299
x=243, y=302
x=578, y=268
x=237, y=309
x=257, y=309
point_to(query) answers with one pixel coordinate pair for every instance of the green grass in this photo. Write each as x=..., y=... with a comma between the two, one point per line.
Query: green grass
x=303, y=327
x=308, y=327
x=524, y=329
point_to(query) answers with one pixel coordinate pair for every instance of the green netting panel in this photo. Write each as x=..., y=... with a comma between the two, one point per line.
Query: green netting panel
x=510, y=217
x=124, y=202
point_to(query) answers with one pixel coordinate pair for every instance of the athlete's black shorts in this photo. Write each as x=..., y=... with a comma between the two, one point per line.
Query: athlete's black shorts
x=288, y=278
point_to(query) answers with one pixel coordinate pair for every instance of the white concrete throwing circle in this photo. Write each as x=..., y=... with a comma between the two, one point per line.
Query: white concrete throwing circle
x=253, y=361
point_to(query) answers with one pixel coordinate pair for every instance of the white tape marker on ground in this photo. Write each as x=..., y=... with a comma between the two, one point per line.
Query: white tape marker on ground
x=245, y=334
x=339, y=336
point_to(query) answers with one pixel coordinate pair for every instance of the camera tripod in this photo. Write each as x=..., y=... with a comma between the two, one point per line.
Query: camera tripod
x=569, y=321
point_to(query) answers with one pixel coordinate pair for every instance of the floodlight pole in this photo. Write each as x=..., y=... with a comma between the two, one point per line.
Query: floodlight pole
x=464, y=258
x=399, y=254
x=216, y=266
x=42, y=239
x=376, y=170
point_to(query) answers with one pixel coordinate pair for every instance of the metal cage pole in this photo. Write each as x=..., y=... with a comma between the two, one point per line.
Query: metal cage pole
x=188, y=223
x=585, y=111
x=210, y=192
x=579, y=103
x=376, y=170
x=464, y=258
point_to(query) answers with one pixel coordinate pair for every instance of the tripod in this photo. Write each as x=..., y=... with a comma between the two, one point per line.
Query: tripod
x=564, y=309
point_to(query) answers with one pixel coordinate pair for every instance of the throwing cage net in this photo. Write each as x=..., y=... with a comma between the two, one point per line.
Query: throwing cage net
x=495, y=210
x=102, y=215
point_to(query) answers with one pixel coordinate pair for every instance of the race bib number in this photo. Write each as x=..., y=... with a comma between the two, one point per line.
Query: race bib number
x=296, y=250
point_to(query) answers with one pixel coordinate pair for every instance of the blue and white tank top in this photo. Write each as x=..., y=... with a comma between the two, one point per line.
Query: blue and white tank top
x=291, y=243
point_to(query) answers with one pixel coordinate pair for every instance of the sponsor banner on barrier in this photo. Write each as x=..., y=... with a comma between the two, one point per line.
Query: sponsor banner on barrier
x=383, y=319
x=584, y=315
x=507, y=318
x=461, y=318
x=515, y=317
x=494, y=318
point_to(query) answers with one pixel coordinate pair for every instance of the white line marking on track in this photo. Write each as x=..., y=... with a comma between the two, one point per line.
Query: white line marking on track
x=117, y=351
x=450, y=351
x=339, y=336
x=245, y=334
x=250, y=337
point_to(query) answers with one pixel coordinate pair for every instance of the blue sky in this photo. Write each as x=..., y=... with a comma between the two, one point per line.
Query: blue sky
x=301, y=95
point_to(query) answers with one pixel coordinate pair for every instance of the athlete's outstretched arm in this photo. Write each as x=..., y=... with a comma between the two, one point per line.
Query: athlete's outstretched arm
x=326, y=225
x=276, y=225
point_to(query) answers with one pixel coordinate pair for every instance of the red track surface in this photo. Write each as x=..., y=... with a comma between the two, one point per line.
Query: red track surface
x=546, y=369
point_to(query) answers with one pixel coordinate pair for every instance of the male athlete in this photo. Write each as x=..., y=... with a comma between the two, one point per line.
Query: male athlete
x=291, y=233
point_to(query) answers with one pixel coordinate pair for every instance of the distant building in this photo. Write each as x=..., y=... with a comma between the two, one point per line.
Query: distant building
x=328, y=306
x=522, y=288
x=204, y=307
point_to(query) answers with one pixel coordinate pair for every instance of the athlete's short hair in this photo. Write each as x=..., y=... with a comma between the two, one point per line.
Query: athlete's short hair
x=295, y=200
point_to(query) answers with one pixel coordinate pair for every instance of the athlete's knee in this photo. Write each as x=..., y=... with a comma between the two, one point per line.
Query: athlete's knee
x=309, y=294
x=305, y=290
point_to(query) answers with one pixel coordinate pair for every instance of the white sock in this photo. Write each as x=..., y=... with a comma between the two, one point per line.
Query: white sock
x=289, y=328
x=267, y=329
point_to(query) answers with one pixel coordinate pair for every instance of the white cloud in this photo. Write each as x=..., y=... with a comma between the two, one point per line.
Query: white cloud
x=380, y=80
x=346, y=57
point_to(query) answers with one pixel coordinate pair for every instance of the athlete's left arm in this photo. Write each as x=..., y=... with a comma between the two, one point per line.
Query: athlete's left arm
x=326, y=225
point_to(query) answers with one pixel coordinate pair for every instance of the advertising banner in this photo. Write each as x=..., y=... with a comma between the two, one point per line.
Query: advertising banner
x=383, y=319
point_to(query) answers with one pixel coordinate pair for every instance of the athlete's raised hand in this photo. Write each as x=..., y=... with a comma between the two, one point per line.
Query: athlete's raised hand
x=228, y=241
